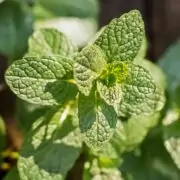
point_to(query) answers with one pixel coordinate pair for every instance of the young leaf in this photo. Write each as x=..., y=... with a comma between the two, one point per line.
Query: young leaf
x=111, y=95
x=122, y=38
x=50, y=149
x=48, y=42
x=42, y=80
x=97, y=120
x=140, y=95
x=88, y=66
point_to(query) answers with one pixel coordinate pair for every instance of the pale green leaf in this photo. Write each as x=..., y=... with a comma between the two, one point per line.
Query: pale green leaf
x=2, y=1
x=107, y=174
x=42, y=80
x=95, y=171
x=97, y=120
x=140, y=94
x=80, y=31
x=112, y=95
x=155, y=71
x=50, y=148
x=49, y=41
x=88, y=66
x=150, y=105
x=172, y=135
x=122, y=38
x=130, y=134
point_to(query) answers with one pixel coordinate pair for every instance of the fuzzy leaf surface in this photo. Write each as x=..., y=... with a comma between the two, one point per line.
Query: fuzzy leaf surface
x=42, y=80
x=95, y=171
x=97, y=120
x=122, y=38
x=140, y=94
x=88, y=66
x=112, y=95
x=50, y=149
x=48, y=42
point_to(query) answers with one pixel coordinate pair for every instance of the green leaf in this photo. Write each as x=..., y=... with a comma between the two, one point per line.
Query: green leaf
x=128, y=136
x=47, y=42
x=27, y=113
x=111, y=95
x=142, y=52
x=152, y=163
x=170, y=63
x=155, y=71
x=78, y=30
x=97, y=34
x=172, y=135
x=42, y=80
x=75, y=8
x=177, y=96
x=12, y=174
x=88, y=66
x=97, y=120
x=93, y=171
x=51, y=148
x=140, y=94
x=122, y=38
x=15, y=28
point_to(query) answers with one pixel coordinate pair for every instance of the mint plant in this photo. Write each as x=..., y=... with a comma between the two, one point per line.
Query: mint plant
x=93, y=96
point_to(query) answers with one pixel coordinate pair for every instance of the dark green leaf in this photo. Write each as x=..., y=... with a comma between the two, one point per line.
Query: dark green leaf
x=97, y=120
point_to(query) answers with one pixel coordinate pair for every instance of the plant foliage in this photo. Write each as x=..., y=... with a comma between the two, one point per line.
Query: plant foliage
x=100, y=95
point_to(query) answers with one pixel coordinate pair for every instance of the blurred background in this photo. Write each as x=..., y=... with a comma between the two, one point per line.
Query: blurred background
x=80, y=20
